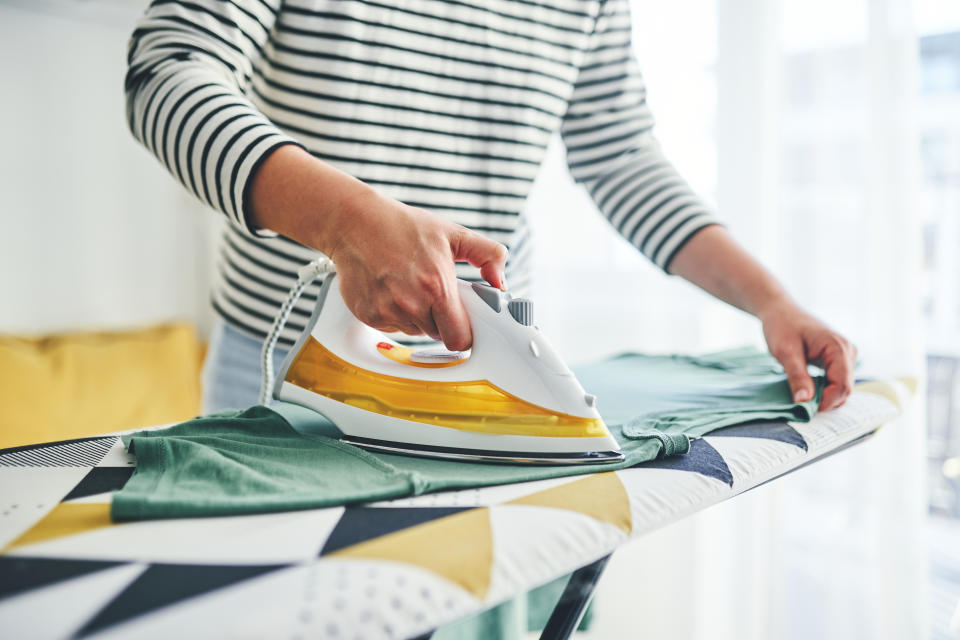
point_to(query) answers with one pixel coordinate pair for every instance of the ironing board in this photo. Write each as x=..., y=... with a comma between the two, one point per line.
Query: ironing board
x=388, y=570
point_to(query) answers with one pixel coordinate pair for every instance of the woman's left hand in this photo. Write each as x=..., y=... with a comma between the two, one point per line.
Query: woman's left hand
x=713, y=261
x=795, y=338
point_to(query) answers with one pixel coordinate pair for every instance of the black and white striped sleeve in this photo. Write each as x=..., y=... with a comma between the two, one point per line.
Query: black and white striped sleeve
x=189, y=65
x=611, y=149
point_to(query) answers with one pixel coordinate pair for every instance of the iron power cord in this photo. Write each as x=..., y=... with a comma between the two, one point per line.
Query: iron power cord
x=305, y=275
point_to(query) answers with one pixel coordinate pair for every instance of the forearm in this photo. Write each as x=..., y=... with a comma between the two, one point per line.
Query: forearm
x=716, y=263
x=304, y=198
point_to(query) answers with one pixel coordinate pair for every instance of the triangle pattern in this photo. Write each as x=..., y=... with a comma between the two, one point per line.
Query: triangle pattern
x=359, y=524
x=22, y=573
x=165, y=584
x=66, y=519
x=601, y=496
x=702, y=459
x=100, y=480
x=911, y=383
x=880, y=388
x=438, y=546
x=778, y=430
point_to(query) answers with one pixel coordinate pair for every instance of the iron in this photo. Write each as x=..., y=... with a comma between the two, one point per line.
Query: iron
x=511, y=398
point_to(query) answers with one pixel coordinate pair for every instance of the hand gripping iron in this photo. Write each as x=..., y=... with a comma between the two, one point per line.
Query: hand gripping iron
x=509, y=399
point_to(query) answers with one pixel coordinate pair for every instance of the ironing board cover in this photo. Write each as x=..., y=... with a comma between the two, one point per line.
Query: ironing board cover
x=384, y=570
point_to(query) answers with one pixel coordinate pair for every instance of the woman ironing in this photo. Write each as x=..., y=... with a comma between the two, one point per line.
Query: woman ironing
x=400, y=139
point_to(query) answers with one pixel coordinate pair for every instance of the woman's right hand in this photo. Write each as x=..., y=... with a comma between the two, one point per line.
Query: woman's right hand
x=395, y=262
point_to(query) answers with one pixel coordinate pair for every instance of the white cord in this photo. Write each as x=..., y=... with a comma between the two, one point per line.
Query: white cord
x=307, y=274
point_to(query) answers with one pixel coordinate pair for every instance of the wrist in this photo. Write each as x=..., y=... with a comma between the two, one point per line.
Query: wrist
x=773, y=304
x=351, y=219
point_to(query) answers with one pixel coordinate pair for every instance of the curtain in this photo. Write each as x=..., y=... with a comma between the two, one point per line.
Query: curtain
x=796, y=118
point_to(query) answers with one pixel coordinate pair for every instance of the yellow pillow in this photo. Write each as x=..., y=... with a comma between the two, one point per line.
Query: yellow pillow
x=75, y=385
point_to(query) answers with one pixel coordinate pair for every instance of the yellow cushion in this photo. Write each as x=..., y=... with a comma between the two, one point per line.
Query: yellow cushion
x=70, y=386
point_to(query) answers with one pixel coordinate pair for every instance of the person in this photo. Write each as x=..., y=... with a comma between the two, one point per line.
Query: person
x=401, y=139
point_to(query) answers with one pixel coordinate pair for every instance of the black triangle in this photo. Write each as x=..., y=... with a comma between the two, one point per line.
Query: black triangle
x=21, y=574
x=702, y=459
x=778, y=430
x=100, y=480
x=164, y=584
x=358, y=524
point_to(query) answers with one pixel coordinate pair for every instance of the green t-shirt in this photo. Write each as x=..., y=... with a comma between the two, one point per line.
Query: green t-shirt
x=284, y=458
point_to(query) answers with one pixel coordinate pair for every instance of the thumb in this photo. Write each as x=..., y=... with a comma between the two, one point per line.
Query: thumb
x=795, y=365
x=489, y=256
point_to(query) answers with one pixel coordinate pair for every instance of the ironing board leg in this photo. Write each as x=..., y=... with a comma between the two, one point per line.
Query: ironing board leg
x=573, y=602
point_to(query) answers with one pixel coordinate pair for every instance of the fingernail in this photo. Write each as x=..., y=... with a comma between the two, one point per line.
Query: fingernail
x=801, y=396
x=503, y=283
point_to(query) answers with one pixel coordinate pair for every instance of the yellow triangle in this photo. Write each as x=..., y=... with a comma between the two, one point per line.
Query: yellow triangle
x=66, y=519
x=880, y=388
x=601, y=496
x=457, y=547
x=910, y=382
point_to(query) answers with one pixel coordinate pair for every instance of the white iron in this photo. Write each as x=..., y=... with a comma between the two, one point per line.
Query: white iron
x=510, y=399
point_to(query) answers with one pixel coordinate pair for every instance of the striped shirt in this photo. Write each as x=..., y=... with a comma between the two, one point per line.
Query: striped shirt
x=446, y=105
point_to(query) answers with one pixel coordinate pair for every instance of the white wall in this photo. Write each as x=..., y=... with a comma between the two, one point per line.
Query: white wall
x=97, y=235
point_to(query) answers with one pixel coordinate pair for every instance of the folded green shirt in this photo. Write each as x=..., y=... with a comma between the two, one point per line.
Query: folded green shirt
x=286, y=458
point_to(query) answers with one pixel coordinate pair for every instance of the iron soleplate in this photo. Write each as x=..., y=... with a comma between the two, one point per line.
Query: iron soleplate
x=484, y=455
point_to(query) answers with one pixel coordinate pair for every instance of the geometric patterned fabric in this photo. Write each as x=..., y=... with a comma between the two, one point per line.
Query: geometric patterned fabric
x=392, y=569
x=84, y=452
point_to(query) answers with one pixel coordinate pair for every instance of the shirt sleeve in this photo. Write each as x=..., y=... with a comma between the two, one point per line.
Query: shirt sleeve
x=608, y=133
x=190, y=65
